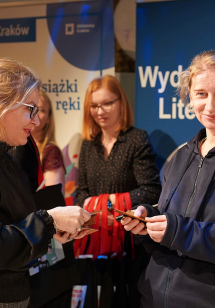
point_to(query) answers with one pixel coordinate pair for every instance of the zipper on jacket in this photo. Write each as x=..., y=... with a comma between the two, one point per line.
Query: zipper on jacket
x=169, y=274
x=195, y=185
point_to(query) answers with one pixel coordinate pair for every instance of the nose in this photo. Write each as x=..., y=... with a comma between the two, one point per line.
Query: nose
x=36, y=120
x=210, y=104
x=100, y=110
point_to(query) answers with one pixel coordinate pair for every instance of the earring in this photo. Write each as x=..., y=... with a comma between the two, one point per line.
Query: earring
x=191, y=109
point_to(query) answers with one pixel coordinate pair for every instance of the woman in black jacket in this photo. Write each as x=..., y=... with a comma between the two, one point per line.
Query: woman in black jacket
x=181, y=234
x=24, y=232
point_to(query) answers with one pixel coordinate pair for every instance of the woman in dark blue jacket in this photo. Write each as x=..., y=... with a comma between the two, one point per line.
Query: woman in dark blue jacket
x=181, y=234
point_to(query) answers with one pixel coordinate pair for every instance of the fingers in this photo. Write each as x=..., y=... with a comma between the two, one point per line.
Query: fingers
x=86, y=201
x=140, y=211
x=140, y=229
x=130, y=225
x=86, y=215
x=156, y=218
x=125, y=220
x=134, y=225
x=69, y=218
x=156, y=227
x=61, y=237
x=81, y=234
x=110, y=218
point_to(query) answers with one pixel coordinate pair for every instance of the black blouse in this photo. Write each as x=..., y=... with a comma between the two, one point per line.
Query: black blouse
x=130, y=167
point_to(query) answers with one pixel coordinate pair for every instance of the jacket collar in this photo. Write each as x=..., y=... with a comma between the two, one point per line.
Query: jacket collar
x=4, y=148
x=201, y=134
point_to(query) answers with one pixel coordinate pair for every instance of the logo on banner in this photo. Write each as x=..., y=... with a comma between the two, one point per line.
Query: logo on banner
x=17, y=30
x=69, y=29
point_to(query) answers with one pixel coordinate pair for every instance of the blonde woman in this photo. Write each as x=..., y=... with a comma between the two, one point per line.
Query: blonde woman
x=44, y=136
x=181, y=234
x=24, y=231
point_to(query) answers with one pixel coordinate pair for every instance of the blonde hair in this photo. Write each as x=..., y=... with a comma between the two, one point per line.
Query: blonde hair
x=48, y=133
x=199, y=64
x=17, y=81
x=90, y=127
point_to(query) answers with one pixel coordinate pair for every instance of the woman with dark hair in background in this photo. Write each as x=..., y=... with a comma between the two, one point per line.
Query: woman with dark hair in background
x=116, y=159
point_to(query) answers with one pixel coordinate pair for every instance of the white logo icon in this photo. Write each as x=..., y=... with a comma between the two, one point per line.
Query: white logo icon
x=69, y=29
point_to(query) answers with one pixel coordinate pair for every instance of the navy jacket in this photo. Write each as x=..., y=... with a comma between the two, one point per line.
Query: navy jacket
x=181, y=272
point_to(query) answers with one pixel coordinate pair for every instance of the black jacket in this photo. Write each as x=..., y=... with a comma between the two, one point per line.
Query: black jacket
x=181, y=272
x=19, y=242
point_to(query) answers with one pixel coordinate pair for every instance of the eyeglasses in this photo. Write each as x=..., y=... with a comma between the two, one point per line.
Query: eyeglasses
x=106, y=107
x=33, y=110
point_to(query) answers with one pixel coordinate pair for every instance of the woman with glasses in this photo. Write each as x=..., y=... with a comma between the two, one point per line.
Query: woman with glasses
x=115, y=157
x=24, y=231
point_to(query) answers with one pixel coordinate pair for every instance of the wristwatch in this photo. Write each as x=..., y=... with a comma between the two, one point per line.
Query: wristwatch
x=49, y=221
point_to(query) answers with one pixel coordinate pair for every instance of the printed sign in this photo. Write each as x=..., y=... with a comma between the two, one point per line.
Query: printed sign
x=68, y=44
x=78, y=296
x=166, y=43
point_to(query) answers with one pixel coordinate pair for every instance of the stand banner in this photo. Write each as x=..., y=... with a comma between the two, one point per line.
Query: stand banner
x=68, y=44
x=169, y=35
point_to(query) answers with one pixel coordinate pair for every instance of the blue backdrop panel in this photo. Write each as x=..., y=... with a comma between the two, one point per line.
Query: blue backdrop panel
x=169, y=35
x=92, y=50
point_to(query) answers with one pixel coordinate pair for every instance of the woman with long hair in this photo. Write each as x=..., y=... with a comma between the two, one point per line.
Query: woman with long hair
x=44, y=135
x=117, y=166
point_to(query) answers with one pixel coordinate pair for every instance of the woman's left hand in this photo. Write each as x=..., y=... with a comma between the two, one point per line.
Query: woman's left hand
x=156, y=227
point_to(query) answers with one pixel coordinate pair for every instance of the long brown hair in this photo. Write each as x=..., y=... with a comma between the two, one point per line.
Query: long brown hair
x=90, y=127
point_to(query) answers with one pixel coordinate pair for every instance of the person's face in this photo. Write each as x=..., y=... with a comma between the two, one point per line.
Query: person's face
x=202, y=98
x=106, y=120
x=17, y=123
x=43, y=114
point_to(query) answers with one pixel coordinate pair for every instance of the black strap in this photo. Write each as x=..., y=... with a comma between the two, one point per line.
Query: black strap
x=179, y=177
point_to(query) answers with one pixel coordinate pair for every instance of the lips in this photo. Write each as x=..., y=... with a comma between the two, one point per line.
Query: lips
x=210, y=117
x=28, y=131
x=102, y=119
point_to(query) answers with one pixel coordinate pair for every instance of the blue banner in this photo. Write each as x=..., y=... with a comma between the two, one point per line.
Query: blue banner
x=17, y=30
x=169, y=35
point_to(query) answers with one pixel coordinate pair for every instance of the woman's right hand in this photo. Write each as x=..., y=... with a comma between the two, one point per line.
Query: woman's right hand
x=69, y=218
x=86, y=201
x=134, y=225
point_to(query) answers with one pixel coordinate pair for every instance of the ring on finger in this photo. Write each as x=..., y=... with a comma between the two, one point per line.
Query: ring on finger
x=80, y=228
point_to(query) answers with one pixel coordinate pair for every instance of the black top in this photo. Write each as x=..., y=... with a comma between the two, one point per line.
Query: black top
x=19, y=243
x=56, y=279
x=130, y=167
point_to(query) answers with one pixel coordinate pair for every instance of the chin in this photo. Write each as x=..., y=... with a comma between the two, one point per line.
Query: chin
x=21, y=142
